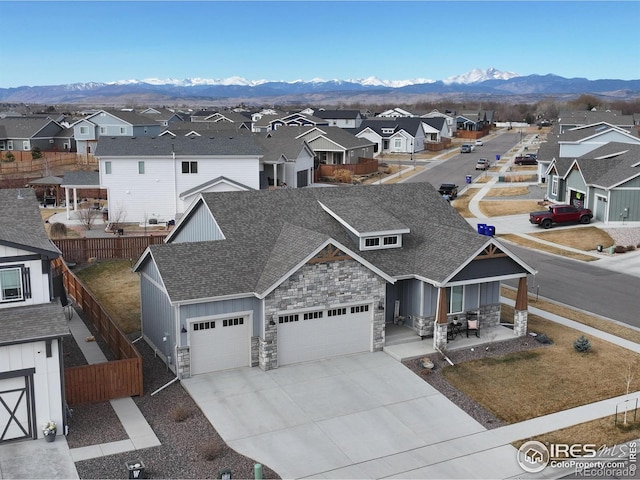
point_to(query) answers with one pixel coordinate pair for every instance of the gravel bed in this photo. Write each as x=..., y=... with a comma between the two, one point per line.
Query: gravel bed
x=191, y=447
x=434, y=376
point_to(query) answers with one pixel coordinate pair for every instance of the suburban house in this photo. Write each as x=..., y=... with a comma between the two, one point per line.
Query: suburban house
x=239, y=120
x=32, y=323
x=158, y=177
x=401, y=134
x=606, y=180
x=163, y=116
x=276, y=277
x=331, y=145
x=288, y=161
x=578, y=118
x=112, y=123
x=339, y=118
x=474, y=121
x=395, y=113
x=450, y=120
x=578, y=141
x=26, y=133
x=297, y=120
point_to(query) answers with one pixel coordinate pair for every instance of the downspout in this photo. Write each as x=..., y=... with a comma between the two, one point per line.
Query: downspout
x=441, y=353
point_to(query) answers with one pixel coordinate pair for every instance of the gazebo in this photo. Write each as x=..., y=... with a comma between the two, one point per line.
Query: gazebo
x=51, y=188
x=77, y=181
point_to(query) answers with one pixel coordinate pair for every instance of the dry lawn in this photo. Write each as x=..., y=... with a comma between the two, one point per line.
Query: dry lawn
x=587, y=238
x=461, y=203
x=507, y=192
x=524, y=385
x=117, y=289
x=525, y=242
x=496, y=208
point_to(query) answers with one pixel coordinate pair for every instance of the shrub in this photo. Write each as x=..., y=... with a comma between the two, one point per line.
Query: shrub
x=180, y=413
x=630, y=248
x=9, y=157
x=343, y=176
x=58, y=230
x=582, y=344
x=36, y=153
x=210, y=450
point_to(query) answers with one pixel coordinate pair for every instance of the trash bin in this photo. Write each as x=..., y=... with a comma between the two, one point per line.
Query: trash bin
x=497, y=157
x=135, y=468
x=482, y=228
x=490, y=230
x=468, y=178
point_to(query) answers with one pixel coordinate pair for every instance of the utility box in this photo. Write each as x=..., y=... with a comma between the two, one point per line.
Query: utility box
x=135, y=469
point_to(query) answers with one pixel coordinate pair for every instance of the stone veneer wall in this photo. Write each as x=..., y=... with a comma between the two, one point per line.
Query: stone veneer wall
x=314, y=286
x=520, y=320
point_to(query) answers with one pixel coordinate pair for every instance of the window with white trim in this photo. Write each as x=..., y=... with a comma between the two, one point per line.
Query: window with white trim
x=233, y=322
x=84, y=130
x=554, y=186
x=393, y=240
x=372, y=242
x=203, y=326
x=141, y=167
x=455, y=297
x=107, y=168
x=25, y=144
x=103, y=130
x=312, y=315
x=9, y=144
x=397, y=143
x=288, y=318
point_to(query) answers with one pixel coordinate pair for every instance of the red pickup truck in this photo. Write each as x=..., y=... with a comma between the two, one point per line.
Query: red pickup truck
x=560, y=214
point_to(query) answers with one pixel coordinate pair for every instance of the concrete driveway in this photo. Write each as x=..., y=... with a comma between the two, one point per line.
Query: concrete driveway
x=359, y=416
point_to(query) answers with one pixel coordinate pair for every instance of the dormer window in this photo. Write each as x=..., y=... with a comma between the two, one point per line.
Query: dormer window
x=386, y=241
x=371, y=242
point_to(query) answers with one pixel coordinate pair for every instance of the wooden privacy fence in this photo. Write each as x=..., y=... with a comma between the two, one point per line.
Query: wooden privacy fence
x=364, y=166
x=80, y=250
x=102, y=381
x=24, y=163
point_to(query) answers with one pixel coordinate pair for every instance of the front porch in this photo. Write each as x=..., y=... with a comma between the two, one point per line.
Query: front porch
x=402, y=342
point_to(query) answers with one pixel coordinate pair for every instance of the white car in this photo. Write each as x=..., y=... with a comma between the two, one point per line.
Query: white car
x=479, y=143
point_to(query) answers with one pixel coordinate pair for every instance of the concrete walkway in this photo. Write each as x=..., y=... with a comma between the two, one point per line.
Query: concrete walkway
x=56, y=460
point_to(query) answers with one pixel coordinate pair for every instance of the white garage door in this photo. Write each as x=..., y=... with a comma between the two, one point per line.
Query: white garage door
x=303, y=337
x=219, y=344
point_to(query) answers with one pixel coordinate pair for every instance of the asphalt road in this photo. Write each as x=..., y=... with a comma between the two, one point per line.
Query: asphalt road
x=606, y=292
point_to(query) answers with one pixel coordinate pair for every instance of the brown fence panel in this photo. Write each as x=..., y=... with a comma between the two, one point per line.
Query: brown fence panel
x=80, y=250
x=364, y=166
x=102, y=381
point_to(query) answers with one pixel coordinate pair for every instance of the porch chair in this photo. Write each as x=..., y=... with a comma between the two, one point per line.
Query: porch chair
x=473, y=324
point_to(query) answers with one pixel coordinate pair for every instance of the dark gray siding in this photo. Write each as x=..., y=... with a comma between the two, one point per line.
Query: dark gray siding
x=157, y=312
x=621, y=200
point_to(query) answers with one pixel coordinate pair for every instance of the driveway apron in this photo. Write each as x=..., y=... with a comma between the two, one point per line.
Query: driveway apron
x=353, y=415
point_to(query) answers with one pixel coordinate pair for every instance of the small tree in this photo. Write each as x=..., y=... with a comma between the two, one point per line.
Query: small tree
x=58, y=230
x=628, y=378
x=36, y=153
x=87, y=217
x=9, y=157
x=582, y=344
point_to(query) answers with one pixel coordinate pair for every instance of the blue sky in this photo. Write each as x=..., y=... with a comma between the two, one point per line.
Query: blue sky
x=78, y=41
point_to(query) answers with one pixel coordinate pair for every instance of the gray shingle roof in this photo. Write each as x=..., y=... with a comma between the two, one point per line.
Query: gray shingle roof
x=32, y=323
x=23, y=127
x=267, y=232
x=21, y=224
x=217, y=144
x=80, y=178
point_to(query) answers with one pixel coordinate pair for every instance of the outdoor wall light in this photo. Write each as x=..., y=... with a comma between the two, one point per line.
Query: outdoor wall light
x=184, y=330
x=271, y=322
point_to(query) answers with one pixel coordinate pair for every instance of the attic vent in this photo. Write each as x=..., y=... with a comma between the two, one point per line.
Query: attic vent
x=133, y=138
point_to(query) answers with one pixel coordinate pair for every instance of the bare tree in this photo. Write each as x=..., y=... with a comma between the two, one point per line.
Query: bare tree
x=117, y=217
x=628, y=378
x=87, y=216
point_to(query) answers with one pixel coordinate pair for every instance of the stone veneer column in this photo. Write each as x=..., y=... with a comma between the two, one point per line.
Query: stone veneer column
x=183, y=362
x=520, y=322
x=440, y=335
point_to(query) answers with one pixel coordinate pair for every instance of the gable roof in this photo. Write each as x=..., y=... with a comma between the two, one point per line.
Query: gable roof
x=280, y=229
x=411, y=125
x=21, y=225
x=23, y=127
x=337, y=114
x=32, y=323
x=81, y=179
x=337, y=135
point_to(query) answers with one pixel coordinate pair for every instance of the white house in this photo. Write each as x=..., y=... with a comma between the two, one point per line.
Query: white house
x=32, y=324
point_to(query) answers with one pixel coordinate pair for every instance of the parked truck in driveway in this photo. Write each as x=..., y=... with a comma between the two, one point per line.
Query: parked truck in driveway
x=556, y=214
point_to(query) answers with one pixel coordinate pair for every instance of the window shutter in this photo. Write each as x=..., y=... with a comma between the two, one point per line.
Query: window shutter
x=26, y=282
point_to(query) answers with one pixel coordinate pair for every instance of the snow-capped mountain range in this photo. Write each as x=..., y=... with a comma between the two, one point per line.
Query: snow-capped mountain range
x=487, y=83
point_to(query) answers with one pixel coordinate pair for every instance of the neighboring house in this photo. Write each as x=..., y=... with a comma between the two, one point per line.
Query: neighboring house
x=239, y=119
x=579, y=141
x=606, y=180
x=112, y=123
x=475, y=121
x=400, y=135
x=331, y=145
x=450, y=120
x=288, y=161
x=25, y=133
x=576, y=118
x=32, y=324
x=395, y=113
x=271, y=278
x=340, y=118
x=297, y=120
x=158, y=177
x=163, y=116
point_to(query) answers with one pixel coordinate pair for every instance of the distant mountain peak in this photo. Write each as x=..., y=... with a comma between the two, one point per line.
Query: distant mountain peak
x=478, y=75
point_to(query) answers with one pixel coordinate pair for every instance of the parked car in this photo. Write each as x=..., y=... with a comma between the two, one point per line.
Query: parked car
x=479, y=143
x=465, y=148
x=560, y=214
x=448, y=189
x=483, y=164
x=528, y=159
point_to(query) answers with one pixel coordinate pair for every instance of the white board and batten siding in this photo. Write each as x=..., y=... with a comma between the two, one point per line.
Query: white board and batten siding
x=155, y=193
x=220, y=342
x=315, y=335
